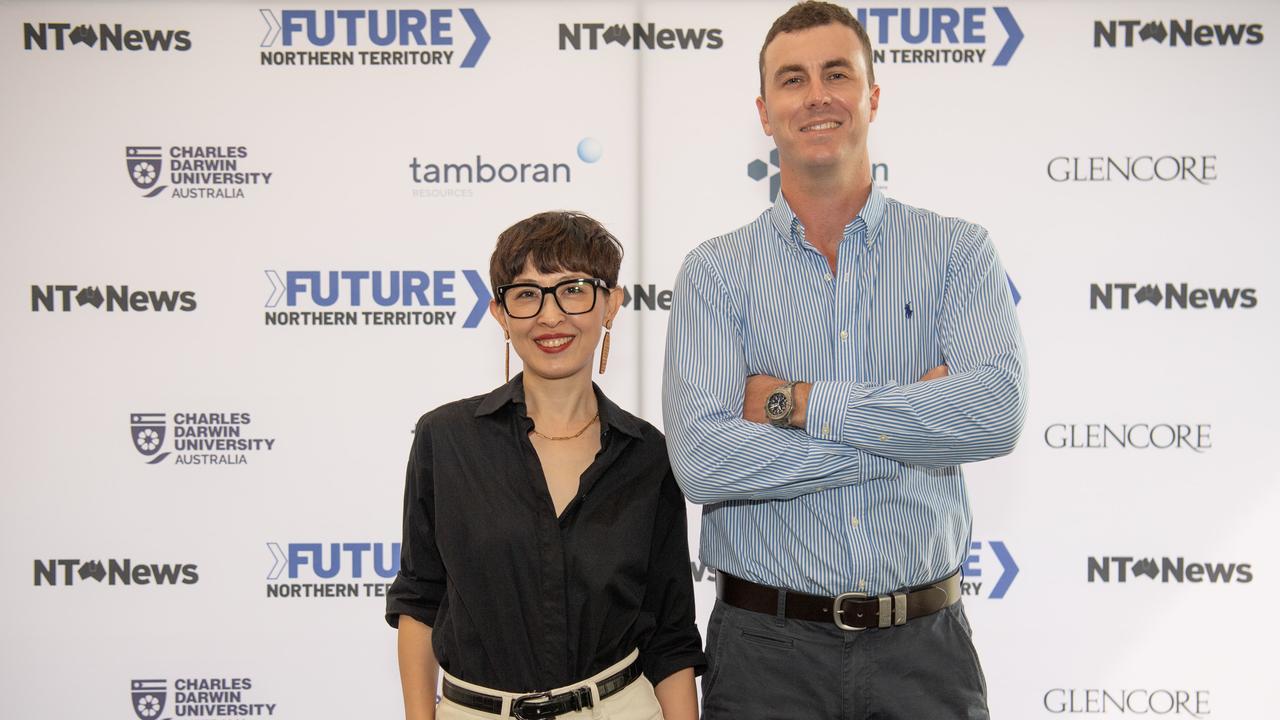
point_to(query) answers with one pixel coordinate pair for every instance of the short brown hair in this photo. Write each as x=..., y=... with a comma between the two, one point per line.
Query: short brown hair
x=811, y=14
x=559, y=240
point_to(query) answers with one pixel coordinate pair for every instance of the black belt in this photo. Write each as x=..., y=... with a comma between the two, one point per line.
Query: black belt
x=539, y=706
x=849, y=611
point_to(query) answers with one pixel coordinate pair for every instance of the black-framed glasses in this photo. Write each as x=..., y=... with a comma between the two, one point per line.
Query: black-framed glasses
x=574, y=296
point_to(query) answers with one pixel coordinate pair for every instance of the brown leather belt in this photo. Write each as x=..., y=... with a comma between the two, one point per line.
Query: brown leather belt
x=849, y=611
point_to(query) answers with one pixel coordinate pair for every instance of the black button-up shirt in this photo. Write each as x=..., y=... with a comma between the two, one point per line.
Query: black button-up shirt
x=519, y=599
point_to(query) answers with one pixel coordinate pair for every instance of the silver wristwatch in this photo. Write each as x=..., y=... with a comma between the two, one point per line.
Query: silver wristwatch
x=779, y=405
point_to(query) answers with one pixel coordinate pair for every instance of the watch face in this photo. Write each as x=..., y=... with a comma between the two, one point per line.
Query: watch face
x=776, y=405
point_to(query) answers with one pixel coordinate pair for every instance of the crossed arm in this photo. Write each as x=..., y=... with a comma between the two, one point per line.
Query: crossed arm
x=972, y=408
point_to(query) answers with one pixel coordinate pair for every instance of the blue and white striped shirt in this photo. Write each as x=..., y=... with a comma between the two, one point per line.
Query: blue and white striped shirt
x=869, y=497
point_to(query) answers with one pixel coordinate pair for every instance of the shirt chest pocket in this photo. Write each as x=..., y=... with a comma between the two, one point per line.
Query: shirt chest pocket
x=900, y=340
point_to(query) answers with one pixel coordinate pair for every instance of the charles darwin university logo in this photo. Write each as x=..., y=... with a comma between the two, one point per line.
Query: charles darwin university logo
x=199, y=172
x=198, y=697
x=148, y=698
x=197, y=439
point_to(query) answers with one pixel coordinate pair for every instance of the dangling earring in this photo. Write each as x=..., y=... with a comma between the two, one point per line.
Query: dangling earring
x=604, y=347
x=507, y=372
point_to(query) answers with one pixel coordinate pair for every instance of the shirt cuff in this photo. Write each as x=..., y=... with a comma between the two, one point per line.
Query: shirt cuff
x=825, y=415
x=659, y=669
x=416, y=598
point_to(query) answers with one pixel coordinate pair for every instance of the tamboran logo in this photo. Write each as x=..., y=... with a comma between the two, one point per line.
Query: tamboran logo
x=975, y=581
x=1123, y=568
x=202, y=438
x=1184, y=33
x=195, y=171
x=197, y=697
x=594, y=35
x=1174, y=296
x=938, y=27
x=758, y=170
x=46, y=298
x=1097, y=701
x=1201, y=169
x=460, y=179
x=379, y=288
x=103, y=36
x=407, y=30
x=67, y=572
x=303, y=564
x=1136, y=436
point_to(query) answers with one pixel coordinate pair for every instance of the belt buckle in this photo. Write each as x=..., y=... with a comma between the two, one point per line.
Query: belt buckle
x=518, y=706
x=837, y=611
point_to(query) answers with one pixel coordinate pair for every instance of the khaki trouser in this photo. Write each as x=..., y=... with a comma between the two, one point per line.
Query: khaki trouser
x=634, y=702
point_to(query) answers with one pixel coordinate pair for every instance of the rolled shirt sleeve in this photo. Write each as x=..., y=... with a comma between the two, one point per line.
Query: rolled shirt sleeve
x=419, y=586
x=675, y=643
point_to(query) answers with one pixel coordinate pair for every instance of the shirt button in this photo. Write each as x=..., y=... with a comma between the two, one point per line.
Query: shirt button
x=855, y=522
x=827, y=277
x=844, y=334
x=862, y=584
x=884, y=438
x=826, y=430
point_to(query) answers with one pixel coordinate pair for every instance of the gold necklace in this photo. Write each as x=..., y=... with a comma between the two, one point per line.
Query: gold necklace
x=590, y=422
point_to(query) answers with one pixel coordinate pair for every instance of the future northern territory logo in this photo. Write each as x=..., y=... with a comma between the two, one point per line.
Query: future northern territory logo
x=1170, y=296
x=332, y=569
x=989, y=570
x=373, y=38
x=965, y=34
x=400, y=298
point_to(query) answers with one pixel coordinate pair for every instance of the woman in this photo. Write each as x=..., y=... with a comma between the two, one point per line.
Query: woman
x=545, y=558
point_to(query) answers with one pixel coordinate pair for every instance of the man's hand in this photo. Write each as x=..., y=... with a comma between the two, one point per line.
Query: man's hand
x=939, y=372
x=760, y=387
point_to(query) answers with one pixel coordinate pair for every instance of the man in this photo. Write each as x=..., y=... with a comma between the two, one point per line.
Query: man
x=829, y=367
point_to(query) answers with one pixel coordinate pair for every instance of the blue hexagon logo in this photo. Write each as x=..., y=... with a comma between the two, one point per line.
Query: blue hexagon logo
x=757, y=170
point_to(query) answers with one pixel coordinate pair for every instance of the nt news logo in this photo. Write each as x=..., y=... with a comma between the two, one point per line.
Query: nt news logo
x=1127, y=568
x=1177, y=33
x=66, y=572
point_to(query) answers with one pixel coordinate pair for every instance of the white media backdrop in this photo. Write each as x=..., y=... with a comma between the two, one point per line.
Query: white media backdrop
x=1116, y=151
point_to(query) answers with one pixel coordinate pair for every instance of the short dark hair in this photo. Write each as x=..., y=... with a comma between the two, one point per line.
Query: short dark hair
x=811, y=14
x=559, y=240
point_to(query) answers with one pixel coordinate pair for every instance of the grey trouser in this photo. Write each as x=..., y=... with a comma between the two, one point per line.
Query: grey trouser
x=770, y=668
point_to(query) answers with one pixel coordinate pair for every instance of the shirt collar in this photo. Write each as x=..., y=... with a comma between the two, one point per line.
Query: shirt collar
x=611, y=416
x=870, y=216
